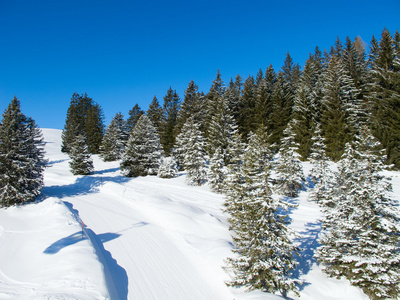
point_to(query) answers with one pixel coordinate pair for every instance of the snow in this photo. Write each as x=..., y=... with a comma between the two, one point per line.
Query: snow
x=144, y=238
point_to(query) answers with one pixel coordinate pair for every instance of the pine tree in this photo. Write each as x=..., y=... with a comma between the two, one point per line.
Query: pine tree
x=155, y=113
x=143, y=151
x=22, y=160
x=281, y=112
x=290, y=176
x=264, y=252
x=191, y=145
x=221, y=130
x=320, y=174
x=192, y=106
x=246, y=119
x=171, y=109
x=218, y=172
x=384, y=96
x=303, y=114
x=113, y=144
x=84, y=117
x=81, y=161
x=134, y=115
x=340, y=97
x=362, y=238
x=213, y=99
x=94, y=128
x=168, y=168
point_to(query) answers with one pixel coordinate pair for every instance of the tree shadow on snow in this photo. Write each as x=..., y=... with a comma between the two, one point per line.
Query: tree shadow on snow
x=308, y=244
x=65, y=242
x=115, y=275
x=82, y=186
x=101, y=172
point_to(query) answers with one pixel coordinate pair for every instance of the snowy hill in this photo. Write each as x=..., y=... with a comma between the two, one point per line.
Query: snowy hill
x=144, y=238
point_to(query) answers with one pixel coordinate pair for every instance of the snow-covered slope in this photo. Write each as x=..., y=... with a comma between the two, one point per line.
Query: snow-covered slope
x=144, y=238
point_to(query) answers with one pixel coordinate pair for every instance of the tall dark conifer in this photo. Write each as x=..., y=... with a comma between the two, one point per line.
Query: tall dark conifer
x=171, y=109
x=84, y=117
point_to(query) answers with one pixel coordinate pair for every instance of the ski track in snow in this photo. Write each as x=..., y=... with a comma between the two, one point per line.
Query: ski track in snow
x=144, y=238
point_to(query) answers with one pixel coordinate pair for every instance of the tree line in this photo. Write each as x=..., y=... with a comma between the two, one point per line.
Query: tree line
x=321, y=93
x=246, y=140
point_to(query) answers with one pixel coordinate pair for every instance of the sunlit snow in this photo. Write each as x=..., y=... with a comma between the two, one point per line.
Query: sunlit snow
x=144, y=238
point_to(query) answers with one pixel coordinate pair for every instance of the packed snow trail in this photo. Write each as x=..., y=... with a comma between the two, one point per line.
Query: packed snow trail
x=156, y=238
x=155, y=267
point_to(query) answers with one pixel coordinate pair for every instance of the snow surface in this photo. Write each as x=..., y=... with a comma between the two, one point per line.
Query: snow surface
x=144, y=238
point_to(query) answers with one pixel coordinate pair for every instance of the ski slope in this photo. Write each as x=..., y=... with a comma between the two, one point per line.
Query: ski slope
x=144, y=238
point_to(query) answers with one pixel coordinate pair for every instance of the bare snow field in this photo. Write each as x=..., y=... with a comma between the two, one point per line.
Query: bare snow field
x=144, y=238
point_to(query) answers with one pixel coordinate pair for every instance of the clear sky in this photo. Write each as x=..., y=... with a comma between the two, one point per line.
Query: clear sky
x=123, y=52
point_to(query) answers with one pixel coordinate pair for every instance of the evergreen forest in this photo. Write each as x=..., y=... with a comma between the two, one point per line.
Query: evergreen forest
x=247, y=139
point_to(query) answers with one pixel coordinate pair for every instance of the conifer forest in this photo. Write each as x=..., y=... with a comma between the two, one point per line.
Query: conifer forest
x=246, y=138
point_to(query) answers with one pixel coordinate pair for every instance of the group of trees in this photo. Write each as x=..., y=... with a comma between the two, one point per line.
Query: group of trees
x=247, y=139
x=22, y=159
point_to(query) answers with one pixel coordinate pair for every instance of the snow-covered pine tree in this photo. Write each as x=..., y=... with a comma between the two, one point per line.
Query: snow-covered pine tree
x=168, y=168
x=221, y=129
x=218, y=172
x=320, y=174
x=81, y=161
x=21, y=157
x=143, y=151
x=290, y=176
x=190, y=143
x=113, y=144
x=384, y=94
x=264, y=252
x=339, y=95
x=362, y=241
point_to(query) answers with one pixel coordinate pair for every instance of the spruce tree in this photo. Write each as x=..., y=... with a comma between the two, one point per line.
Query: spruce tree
x=221, y=130
x=218, y=172
x=191, y=145
x=143, y=151
x=134, y=115
x=264, y=252
x=320, y=174
x=81, y=161
x=340, y=97
x=290, y=176
x=213, y=99
x=384, y=95
x=84, y=117
x=247, y=115
x=192, y=106
x=362, y=238
x=155, y=113
x=113, y=144
x=171, y=109
x=94, y=128
x=168, y=168
x=281, y=111
x=22, y=160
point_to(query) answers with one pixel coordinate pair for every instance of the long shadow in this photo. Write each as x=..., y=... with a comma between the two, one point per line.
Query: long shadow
x=76, y=238
x=115, y=275
x=111, y=170
x=65, y=242
x=53, y=162
x=308, y=245
x=82, y=186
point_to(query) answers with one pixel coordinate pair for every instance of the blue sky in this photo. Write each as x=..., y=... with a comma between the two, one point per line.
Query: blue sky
x=124, y=52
